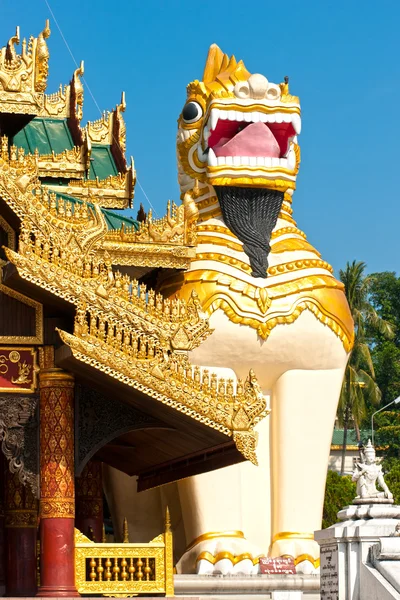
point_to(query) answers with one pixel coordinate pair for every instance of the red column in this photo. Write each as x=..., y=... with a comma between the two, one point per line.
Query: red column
x=21, y=530
x=57, y=490
x=89, y=500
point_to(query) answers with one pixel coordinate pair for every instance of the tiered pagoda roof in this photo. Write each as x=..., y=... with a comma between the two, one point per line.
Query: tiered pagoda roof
x=71, y=248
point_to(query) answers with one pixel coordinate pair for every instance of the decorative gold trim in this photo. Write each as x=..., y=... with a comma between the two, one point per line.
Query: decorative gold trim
x=37, y=306
x=242, y=302
x=51, y=508
x=292, y=245
x=211, y=535
x=285, y=217
x=21, y=518
x=234, y=558
x=292, y=535
x=281, y=269
x=302, y=557
x=54, y=377
x=285, y=230
x=11, y=237
x=218, y=241
x=216, y=229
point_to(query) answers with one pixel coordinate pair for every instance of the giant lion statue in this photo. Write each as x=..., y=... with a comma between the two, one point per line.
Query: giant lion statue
x=274, y=306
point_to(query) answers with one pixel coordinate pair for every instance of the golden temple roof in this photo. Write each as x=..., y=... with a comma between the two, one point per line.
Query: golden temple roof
x=59, y=179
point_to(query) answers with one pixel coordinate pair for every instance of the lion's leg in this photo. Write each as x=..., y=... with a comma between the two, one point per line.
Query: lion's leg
x=217, y=506
x=302, y=418
x=143, y=510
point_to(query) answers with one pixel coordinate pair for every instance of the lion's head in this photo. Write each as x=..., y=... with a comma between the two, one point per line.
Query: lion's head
x=237, y=139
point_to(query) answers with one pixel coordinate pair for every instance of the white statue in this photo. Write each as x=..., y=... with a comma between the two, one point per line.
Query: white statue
x=367, y=473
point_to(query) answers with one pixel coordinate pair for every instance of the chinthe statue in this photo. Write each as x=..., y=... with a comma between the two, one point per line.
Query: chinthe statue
x=367, y=473
x=274, y=307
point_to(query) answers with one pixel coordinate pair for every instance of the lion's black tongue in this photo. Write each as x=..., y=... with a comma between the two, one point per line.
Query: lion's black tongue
x=251, y=214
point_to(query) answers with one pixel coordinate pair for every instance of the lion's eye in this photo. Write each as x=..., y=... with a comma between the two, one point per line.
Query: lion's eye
x=192, y=112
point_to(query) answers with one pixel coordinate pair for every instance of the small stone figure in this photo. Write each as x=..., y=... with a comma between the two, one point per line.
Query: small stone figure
x=367, y=473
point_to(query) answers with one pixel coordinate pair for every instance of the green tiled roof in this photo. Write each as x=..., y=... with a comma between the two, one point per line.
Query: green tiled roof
x=48, y=135
x=45, y=135
x=102, y=163
x=114, y=219
x=337, y=437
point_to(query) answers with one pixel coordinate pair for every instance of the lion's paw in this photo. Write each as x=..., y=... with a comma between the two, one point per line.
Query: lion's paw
x=222, y=555
x=305, y=554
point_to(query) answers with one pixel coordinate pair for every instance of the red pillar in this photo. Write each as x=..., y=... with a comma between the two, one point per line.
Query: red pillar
x=57, y=490
x=21, y=531
x=89, y=500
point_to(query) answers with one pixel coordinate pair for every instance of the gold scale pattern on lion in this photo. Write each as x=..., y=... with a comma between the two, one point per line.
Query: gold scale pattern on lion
x=274, y=306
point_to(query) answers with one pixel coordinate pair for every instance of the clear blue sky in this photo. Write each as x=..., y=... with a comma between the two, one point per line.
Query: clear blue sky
x=343, y=61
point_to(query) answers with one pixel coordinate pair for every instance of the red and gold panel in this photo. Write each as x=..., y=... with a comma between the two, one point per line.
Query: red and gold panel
x=20, y=503
x=18, y=369
x=57, y=444
x=89, y=490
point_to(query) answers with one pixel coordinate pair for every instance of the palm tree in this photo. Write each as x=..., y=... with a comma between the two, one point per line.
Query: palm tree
x=359, y=386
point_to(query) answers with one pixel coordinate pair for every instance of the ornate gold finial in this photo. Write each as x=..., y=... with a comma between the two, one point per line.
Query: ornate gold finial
x=167, y=520
x=123, y=102
x=11, y=57
x=42, y=59
x=77, y=92
x=125, y=532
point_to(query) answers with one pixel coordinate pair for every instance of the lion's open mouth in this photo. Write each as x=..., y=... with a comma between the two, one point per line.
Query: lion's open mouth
x=255, y=139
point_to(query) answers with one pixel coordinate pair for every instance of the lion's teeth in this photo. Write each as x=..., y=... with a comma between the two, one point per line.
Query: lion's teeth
x=212, y=159
x=296, y=122
x=214, y=116
x=291, y=160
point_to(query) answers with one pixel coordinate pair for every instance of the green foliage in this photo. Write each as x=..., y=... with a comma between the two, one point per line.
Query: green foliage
x=359, y=389
x=339, y=492
x=385, y=297
x=387, y=434
x=391, y=469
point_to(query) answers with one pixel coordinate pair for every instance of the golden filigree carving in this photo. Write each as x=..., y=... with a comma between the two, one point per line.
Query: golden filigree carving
x=125, y=569
x=23, y=77
x=70, y=163
x=116, y=191
x=142, y=362
x=110, y=130
x=79, y=228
